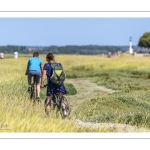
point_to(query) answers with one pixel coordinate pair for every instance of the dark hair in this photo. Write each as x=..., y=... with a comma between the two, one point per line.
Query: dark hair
x=50, y=56
x=35, y=54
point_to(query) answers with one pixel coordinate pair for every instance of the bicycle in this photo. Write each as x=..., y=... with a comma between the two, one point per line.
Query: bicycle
x=33, y=91
x=61, y=103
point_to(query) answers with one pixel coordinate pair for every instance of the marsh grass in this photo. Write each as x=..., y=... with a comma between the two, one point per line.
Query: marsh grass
x=127, y=74
x=123, y=82
x=125, y=108
x=17, y=113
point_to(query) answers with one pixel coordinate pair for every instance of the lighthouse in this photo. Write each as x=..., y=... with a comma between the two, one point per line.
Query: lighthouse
x=130, y=46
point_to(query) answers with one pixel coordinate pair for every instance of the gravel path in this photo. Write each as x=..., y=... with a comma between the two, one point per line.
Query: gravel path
x=109, y=127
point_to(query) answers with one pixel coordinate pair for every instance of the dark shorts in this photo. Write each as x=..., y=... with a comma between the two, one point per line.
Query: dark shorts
x=52, y=88
x=35, y=73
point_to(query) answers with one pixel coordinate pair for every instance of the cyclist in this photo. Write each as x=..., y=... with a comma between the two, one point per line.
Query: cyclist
x=34, y=68
x=15, y=54
x=51, y=88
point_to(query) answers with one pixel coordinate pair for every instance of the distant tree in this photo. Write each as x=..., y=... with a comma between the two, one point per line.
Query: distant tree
x=144, y=41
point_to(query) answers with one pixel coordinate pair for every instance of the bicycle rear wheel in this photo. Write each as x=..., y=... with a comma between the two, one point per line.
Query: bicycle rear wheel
x=65, y=107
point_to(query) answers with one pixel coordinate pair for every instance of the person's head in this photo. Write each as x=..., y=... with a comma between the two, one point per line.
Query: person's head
x=35, y=54
x=50, y=56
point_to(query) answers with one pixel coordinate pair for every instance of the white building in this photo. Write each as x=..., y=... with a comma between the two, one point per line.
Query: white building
x=130, y=46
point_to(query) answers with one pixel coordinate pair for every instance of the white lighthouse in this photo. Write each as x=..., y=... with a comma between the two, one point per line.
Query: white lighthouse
x=130, y=46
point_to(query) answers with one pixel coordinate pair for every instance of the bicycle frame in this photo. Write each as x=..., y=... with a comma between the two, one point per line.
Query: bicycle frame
x=59, y=102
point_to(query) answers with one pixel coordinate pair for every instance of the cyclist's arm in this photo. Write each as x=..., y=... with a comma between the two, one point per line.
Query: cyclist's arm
x=43, y=78
x=26, y=73
x=41, y=69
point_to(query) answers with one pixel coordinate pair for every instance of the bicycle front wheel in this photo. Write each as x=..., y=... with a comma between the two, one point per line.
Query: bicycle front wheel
x=65, y=107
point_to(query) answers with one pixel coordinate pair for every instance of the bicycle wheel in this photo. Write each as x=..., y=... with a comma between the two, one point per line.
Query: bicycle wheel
x=65, y=107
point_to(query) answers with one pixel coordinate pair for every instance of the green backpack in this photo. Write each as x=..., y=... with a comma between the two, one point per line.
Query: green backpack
x=58, y=75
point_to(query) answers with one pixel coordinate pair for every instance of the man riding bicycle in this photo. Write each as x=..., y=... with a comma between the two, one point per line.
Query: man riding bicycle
x=34, y=68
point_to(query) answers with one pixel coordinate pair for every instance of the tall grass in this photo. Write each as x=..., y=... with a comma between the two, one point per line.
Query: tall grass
x=16, y=110
x=127, y=74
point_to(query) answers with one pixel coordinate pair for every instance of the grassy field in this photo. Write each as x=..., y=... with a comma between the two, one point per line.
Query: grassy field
x=127, y=74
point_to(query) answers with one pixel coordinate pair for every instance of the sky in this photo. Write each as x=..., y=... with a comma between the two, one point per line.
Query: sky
x=72, y=31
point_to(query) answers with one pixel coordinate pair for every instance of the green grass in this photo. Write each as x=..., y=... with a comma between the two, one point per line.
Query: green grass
x=70, y=89
x=130, y=105
x=123, y=82
x=126, y=108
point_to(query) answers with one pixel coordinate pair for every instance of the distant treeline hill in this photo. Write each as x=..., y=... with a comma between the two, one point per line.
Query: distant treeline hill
x=85, y=50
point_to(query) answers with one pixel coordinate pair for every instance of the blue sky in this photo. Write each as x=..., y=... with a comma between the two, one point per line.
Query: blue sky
x=72, y=31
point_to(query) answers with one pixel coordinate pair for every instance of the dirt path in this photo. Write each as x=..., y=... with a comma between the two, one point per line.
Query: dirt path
x=85, y=90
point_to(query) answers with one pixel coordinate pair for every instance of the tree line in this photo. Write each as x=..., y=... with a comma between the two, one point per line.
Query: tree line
x=144, y=42
x=85, y=50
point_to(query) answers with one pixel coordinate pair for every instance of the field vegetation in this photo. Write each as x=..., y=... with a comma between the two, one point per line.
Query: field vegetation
x=128, y=75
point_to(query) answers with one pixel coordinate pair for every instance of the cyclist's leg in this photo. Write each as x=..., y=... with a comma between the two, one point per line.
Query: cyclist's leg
x=37, y=80
x=38, y=89
x=48, y=104
x=61, y=94
x=30, y=75
x=29, y=79
x=48, y=100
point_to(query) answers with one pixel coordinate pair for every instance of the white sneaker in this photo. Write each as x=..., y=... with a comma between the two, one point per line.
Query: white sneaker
x=65, y=112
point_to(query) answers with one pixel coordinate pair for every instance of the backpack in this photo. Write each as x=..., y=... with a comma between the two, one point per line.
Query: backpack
x=58, y=75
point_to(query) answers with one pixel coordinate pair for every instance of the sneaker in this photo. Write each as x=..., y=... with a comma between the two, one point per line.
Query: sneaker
x=38, y=98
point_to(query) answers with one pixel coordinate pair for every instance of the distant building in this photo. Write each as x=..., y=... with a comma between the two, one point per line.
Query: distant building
x=2, y=55
x=130, y=46
x=15, y=54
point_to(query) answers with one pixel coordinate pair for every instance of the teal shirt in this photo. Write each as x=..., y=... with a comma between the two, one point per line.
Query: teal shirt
x=34, y=64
